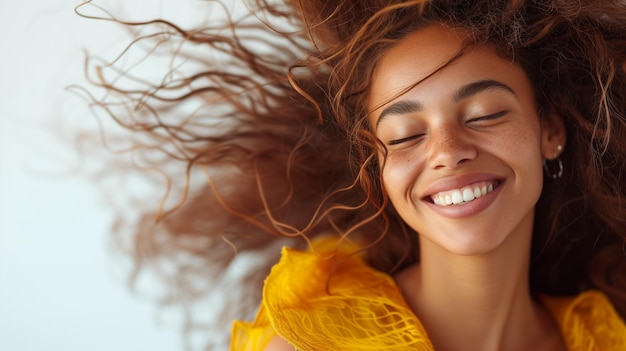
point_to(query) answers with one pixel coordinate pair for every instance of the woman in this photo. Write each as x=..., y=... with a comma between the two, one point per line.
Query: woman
x=465, y=102
x=459, y=166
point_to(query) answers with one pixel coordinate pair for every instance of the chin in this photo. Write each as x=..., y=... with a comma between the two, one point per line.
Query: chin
x=470, y=243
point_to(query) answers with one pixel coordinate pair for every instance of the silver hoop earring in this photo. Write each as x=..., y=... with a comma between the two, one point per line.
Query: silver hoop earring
x=550, y=172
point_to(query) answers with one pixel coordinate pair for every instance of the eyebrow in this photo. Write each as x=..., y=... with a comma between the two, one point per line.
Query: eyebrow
x=409, y=106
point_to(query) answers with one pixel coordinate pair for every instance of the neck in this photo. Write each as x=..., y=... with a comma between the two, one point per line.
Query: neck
x=478, y=302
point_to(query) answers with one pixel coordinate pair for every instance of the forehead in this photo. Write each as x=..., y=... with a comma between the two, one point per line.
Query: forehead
x=423, y=49
x=421, y=61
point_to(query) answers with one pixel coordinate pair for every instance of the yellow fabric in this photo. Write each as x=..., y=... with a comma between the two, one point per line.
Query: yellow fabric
x=588, y=322
x=360, y=308
x=252, y=336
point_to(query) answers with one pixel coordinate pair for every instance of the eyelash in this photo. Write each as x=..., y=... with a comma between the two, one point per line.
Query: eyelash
x=489, y=117
x=478, y=119
x=400, y=141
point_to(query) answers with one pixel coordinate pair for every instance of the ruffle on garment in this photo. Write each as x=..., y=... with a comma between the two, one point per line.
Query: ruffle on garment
x=360, y=308
x=588, y=322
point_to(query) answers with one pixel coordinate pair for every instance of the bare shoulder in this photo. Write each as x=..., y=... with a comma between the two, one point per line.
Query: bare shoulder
x=278, y=344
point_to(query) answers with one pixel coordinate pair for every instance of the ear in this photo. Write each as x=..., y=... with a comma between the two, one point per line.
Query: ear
x=553, y=135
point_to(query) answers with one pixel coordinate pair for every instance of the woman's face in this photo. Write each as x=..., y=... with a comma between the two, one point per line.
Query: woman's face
x=465, y=146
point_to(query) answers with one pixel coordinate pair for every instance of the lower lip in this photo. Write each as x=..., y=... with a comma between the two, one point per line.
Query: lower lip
x=469, y=209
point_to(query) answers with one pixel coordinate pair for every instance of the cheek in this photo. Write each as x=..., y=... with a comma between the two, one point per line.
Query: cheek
x=520, y=144
x=521, y=150
x=399, y=174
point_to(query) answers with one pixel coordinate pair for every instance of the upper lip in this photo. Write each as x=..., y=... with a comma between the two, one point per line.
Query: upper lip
x=457, y=182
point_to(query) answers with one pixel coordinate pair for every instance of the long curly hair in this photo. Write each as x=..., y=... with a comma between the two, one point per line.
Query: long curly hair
x=260, y=129
x=575, y=56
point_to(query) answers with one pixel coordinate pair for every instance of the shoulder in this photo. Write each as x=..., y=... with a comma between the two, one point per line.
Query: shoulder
x=278, y=344
x=590, y=305
x=588, y=319
x=328, y=296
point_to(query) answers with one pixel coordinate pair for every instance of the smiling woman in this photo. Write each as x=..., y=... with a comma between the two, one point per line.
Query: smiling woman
x=448, y=172
x=473, y=116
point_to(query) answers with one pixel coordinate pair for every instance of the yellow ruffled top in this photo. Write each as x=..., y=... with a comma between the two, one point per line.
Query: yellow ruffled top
x=360, y=308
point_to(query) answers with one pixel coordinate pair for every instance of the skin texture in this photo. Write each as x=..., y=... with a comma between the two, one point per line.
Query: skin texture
x=450, y=144
x=471, y=287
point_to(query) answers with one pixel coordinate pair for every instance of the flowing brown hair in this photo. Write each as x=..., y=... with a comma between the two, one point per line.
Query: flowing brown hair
x=265, y=135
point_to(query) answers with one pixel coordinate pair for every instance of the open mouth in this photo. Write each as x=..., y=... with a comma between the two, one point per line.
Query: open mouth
x=465, y=194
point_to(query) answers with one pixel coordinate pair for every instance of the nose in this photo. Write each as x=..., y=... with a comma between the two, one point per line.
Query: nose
x=449, y=146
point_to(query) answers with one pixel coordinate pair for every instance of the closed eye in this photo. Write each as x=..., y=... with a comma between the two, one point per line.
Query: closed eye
x=488, y=117
x=403, y=140
x=473, y=120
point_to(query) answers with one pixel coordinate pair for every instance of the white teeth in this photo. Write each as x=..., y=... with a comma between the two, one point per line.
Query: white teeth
x=468, y=194
x=463, y=195
x=457, y=197
x=477, y=192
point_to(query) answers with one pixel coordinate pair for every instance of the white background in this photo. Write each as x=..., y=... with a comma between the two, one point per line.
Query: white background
x=61, y=285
